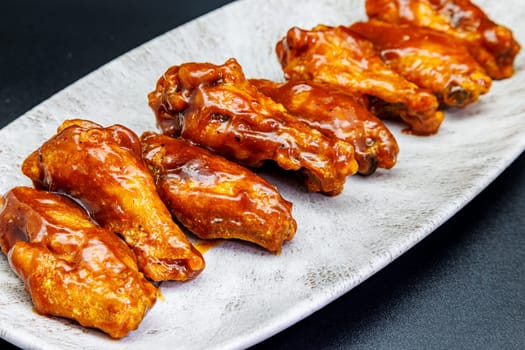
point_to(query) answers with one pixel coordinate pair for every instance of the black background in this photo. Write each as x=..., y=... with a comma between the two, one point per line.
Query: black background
x=463, y=287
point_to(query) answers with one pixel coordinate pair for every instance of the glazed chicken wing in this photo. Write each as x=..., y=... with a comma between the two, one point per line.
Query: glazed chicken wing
x=216, y=198
x=70, y=266
x=430, y=59
x=103, y=169
x=337, y=114
x=340, y=57
x=491, y=44
x=216, y=107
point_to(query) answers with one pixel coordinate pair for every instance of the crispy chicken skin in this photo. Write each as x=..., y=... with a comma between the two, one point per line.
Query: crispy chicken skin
x=491, y=44
x=216, y=198
x=102, y=168
x=337, y=114
x=70, y=266
x=216, y=107
x=339, y=56
x=430, y=59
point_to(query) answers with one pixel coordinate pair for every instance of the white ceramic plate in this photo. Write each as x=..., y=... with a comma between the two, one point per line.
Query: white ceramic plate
x=245, y=294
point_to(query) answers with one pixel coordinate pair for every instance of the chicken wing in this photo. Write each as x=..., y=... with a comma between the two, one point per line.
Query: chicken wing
x=491, y=44
x=103, y=169
x=338, y=56
x=430, y=59
x=337, y=114
x=70, y=266
x=216, y=198
x=216, y=107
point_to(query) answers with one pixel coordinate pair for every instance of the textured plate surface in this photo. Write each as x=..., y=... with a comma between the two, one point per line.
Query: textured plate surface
x=245, y=295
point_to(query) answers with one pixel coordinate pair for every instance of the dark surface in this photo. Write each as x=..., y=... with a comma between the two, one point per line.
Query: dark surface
x=463, y=287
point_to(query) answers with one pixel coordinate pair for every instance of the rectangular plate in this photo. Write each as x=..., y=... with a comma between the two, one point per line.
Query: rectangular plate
x=245, y=294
